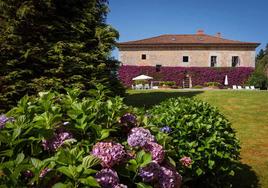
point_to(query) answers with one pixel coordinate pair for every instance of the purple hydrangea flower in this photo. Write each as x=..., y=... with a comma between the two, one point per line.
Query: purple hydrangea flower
x=110, y=153
x=44, y=172
x=169, y=177
x=166, y=129
x=120, y=186
x=4, y=119
x=156, y=150
x=186, y=161
x=28, y=174
x=128, y=119
x=107, y=178
x=139, y=136
x=57, y=140
x=150, y=172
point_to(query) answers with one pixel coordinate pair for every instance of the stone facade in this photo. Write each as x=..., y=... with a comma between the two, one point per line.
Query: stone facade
x=196, y=58
x=195, y=50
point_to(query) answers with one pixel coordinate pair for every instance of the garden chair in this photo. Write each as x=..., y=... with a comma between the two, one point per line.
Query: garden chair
x=247, y=87
x=146, y=86
x=234, y=87
x=252, y=87
x=239, y=87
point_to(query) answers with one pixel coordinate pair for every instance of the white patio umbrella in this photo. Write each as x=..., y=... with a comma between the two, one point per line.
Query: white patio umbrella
x=143, y=77
x=226, y=80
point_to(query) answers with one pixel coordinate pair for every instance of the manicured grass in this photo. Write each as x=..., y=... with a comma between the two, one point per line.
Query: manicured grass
x=248, y=113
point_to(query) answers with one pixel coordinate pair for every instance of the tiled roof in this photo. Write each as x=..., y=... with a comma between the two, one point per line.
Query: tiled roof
x=197, y=39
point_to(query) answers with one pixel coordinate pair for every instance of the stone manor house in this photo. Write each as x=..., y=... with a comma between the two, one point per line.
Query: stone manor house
x=191, y=50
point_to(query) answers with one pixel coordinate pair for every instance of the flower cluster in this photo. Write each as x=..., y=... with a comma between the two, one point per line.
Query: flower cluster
x=186, y=161
x=156, y=151
x=110, y=153
x=107, y=178
x=3, y=120
x=128, y=119
x=166, y=129
x=162, y=176
x=57, y=140
x=139, y=136
x=150, y=172
x=169, y=177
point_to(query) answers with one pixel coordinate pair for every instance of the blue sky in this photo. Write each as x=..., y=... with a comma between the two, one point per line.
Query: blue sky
x=244, y=20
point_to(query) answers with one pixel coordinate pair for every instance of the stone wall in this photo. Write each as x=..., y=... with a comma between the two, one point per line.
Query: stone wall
x=197, y=58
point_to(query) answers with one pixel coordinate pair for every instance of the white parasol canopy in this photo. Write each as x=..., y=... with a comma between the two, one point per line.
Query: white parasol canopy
x=226, y=80
x=143, y=77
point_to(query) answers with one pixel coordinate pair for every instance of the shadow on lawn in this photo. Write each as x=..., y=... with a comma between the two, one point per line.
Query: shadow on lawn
x=152, y=98
x=245, y=178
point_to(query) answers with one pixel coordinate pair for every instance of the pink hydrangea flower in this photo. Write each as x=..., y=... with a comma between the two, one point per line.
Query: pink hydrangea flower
x=110, y=153
x=186, y=161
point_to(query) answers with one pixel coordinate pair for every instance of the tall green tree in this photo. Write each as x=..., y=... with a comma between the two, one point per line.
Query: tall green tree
x=52, y=44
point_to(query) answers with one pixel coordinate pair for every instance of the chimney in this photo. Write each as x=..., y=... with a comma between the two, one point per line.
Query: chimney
x=218, y=35
x=200, y=32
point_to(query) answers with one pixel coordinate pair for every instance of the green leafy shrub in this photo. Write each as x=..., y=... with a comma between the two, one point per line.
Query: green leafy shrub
x=212, y=84
x=201, y=132
x=197, y=87
x=259, y=80
x=60, y=140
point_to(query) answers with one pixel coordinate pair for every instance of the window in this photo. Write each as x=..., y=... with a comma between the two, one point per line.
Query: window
x=185, y=59
x=143, y=56
x=213, y=61
x=235, y=61
x=157, y=68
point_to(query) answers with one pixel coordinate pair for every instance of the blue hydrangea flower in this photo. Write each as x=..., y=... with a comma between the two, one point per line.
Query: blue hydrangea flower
x=166, y=129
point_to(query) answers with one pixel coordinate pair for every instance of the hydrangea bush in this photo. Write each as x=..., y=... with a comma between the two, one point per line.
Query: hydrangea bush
x=59, y=140
x=206, y=149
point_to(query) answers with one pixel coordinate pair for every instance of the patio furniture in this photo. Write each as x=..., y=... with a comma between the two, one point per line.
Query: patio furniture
x=252, y=87
x=239, y=87
x=146, y=86
x=139, y=86
x=234, y=87
x=155, y=87
x=247, y=87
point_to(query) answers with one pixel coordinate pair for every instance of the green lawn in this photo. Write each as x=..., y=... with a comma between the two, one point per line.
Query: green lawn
x=248, y=112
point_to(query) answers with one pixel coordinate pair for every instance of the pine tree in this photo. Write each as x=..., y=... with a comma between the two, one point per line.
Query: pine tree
x=53, y=44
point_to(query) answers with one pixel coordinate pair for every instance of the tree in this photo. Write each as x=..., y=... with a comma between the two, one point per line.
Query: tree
x=53, y=44
x=260, y=55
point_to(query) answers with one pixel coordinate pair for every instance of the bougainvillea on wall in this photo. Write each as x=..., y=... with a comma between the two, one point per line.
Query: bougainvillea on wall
x=199, y=75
